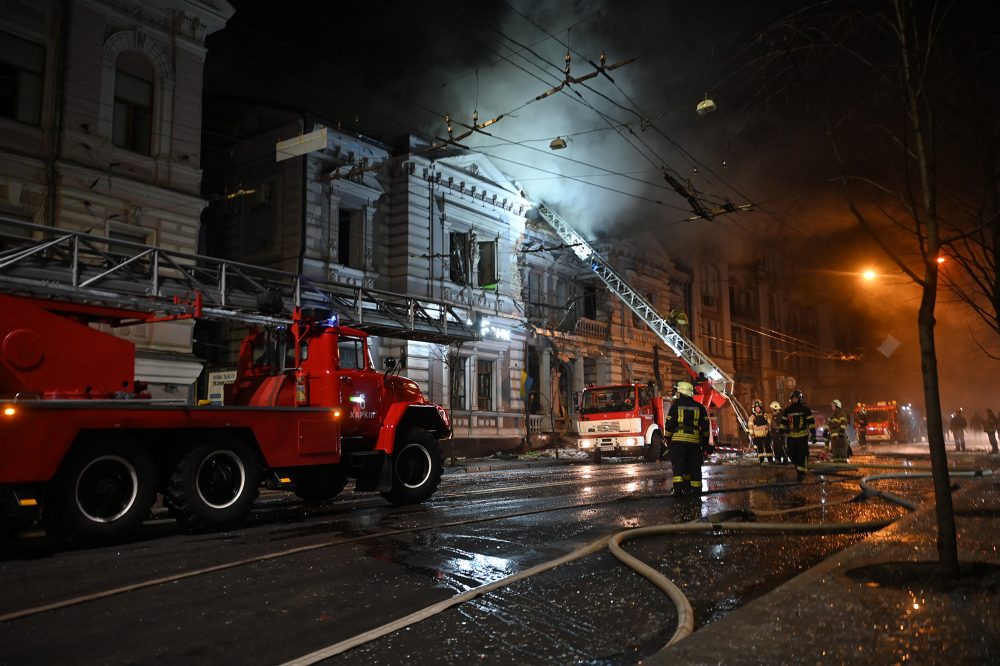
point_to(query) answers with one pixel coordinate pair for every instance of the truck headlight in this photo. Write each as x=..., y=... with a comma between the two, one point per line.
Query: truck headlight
x=630, y=441
x=586, y=443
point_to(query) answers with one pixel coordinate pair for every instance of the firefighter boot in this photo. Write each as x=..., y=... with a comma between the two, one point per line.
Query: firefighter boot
x=680, y=488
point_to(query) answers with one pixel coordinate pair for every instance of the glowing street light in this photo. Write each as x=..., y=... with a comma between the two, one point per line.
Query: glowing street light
x=869, y=275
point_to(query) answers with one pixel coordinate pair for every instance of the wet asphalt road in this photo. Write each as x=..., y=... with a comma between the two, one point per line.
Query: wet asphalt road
x=299, y=578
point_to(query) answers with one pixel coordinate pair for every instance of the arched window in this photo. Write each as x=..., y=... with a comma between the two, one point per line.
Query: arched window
x=132, y=127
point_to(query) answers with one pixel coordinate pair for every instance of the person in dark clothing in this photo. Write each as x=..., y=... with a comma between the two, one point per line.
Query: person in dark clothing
x=760, y=432
x=957, y=426
x=838, y=422
x=799, y=426
x=990, y=425
x=861, y=427
x=686, y=429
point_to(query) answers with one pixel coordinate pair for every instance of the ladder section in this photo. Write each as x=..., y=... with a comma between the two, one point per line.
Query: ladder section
x=689, y=354
x=46, y=262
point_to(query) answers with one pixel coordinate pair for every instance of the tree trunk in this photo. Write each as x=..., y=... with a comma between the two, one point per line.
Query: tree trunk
x=947, y=543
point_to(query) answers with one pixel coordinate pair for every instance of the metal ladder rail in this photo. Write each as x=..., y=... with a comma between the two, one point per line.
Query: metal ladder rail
x=680, y=345
x=70, y=264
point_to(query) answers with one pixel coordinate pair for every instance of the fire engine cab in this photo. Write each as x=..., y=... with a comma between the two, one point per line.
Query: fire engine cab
x=621, y=419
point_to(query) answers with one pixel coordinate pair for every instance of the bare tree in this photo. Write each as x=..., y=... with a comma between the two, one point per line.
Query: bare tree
x=902, y=93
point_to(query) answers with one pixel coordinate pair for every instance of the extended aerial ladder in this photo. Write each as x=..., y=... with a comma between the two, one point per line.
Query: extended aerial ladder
x=691, y=356
x=54, y=263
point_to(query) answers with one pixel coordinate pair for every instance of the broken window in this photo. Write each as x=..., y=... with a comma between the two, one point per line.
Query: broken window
x=456, y=371
x=460, y=256
x=484, y=385
x=487, y=265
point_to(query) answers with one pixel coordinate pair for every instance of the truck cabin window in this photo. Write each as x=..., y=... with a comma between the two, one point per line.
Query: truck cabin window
x=266, y=349
x=607, y=400
x=352, y=354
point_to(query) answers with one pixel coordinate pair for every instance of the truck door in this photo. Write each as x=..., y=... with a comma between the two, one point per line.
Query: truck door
x=647, y=413
x=360, y=389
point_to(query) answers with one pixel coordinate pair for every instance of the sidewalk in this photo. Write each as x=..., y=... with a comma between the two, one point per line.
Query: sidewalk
x=503, y=461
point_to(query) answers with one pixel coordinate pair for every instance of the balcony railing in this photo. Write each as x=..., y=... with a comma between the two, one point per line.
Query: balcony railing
x=593, y=329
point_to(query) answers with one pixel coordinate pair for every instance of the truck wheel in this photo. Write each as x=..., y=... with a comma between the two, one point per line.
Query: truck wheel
x=416, y=468
x=214, y=486
x=101, y=496
x=319, y=482
x=655, y=447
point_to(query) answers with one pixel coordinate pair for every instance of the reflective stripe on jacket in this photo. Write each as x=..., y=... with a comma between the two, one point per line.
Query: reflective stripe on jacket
x=687, y=422
x=797, y=420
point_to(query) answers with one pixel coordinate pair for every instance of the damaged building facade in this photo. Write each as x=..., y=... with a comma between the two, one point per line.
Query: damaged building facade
x=446, y=225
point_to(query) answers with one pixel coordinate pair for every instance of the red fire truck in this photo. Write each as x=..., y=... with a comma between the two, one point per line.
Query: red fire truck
x=82, y=443
x=627, y=419
x=620, y=419
x=886, y=421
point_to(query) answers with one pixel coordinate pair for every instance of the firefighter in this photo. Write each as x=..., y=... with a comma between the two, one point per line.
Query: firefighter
x=958, y=426
x=777, y=436
x=861, y=425
x=686, y=426
x=799, y=428
x=837, y=423
x=760, y=432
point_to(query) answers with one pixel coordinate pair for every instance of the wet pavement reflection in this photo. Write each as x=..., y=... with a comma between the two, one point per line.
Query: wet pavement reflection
x=318, y=574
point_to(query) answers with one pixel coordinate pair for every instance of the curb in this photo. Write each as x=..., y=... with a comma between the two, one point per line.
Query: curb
x=488, y=465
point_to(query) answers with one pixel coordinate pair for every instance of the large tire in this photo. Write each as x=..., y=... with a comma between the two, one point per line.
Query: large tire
x=655, y=447
x=101, y=495
x=214, y=486
x=319, y=483
x=416, y=468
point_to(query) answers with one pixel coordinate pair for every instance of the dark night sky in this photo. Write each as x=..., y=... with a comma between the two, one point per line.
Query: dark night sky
x=398, y=67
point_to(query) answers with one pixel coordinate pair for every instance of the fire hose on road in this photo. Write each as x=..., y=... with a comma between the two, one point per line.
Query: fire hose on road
x=614, y=542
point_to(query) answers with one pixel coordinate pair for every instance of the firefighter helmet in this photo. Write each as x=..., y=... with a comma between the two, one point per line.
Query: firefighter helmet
x=685, y=388
x=757, y=407
x=775, y=405
x=837, y=403
x=797, y=395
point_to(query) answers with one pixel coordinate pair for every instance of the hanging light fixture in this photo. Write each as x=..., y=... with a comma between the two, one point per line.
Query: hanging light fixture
x=705, y=106
x=558, y=143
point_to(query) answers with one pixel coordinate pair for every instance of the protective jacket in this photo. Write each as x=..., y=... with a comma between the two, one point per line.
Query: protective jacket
x=687, y=422
x=797, y=421
x=838, y=422
x=760, y=424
